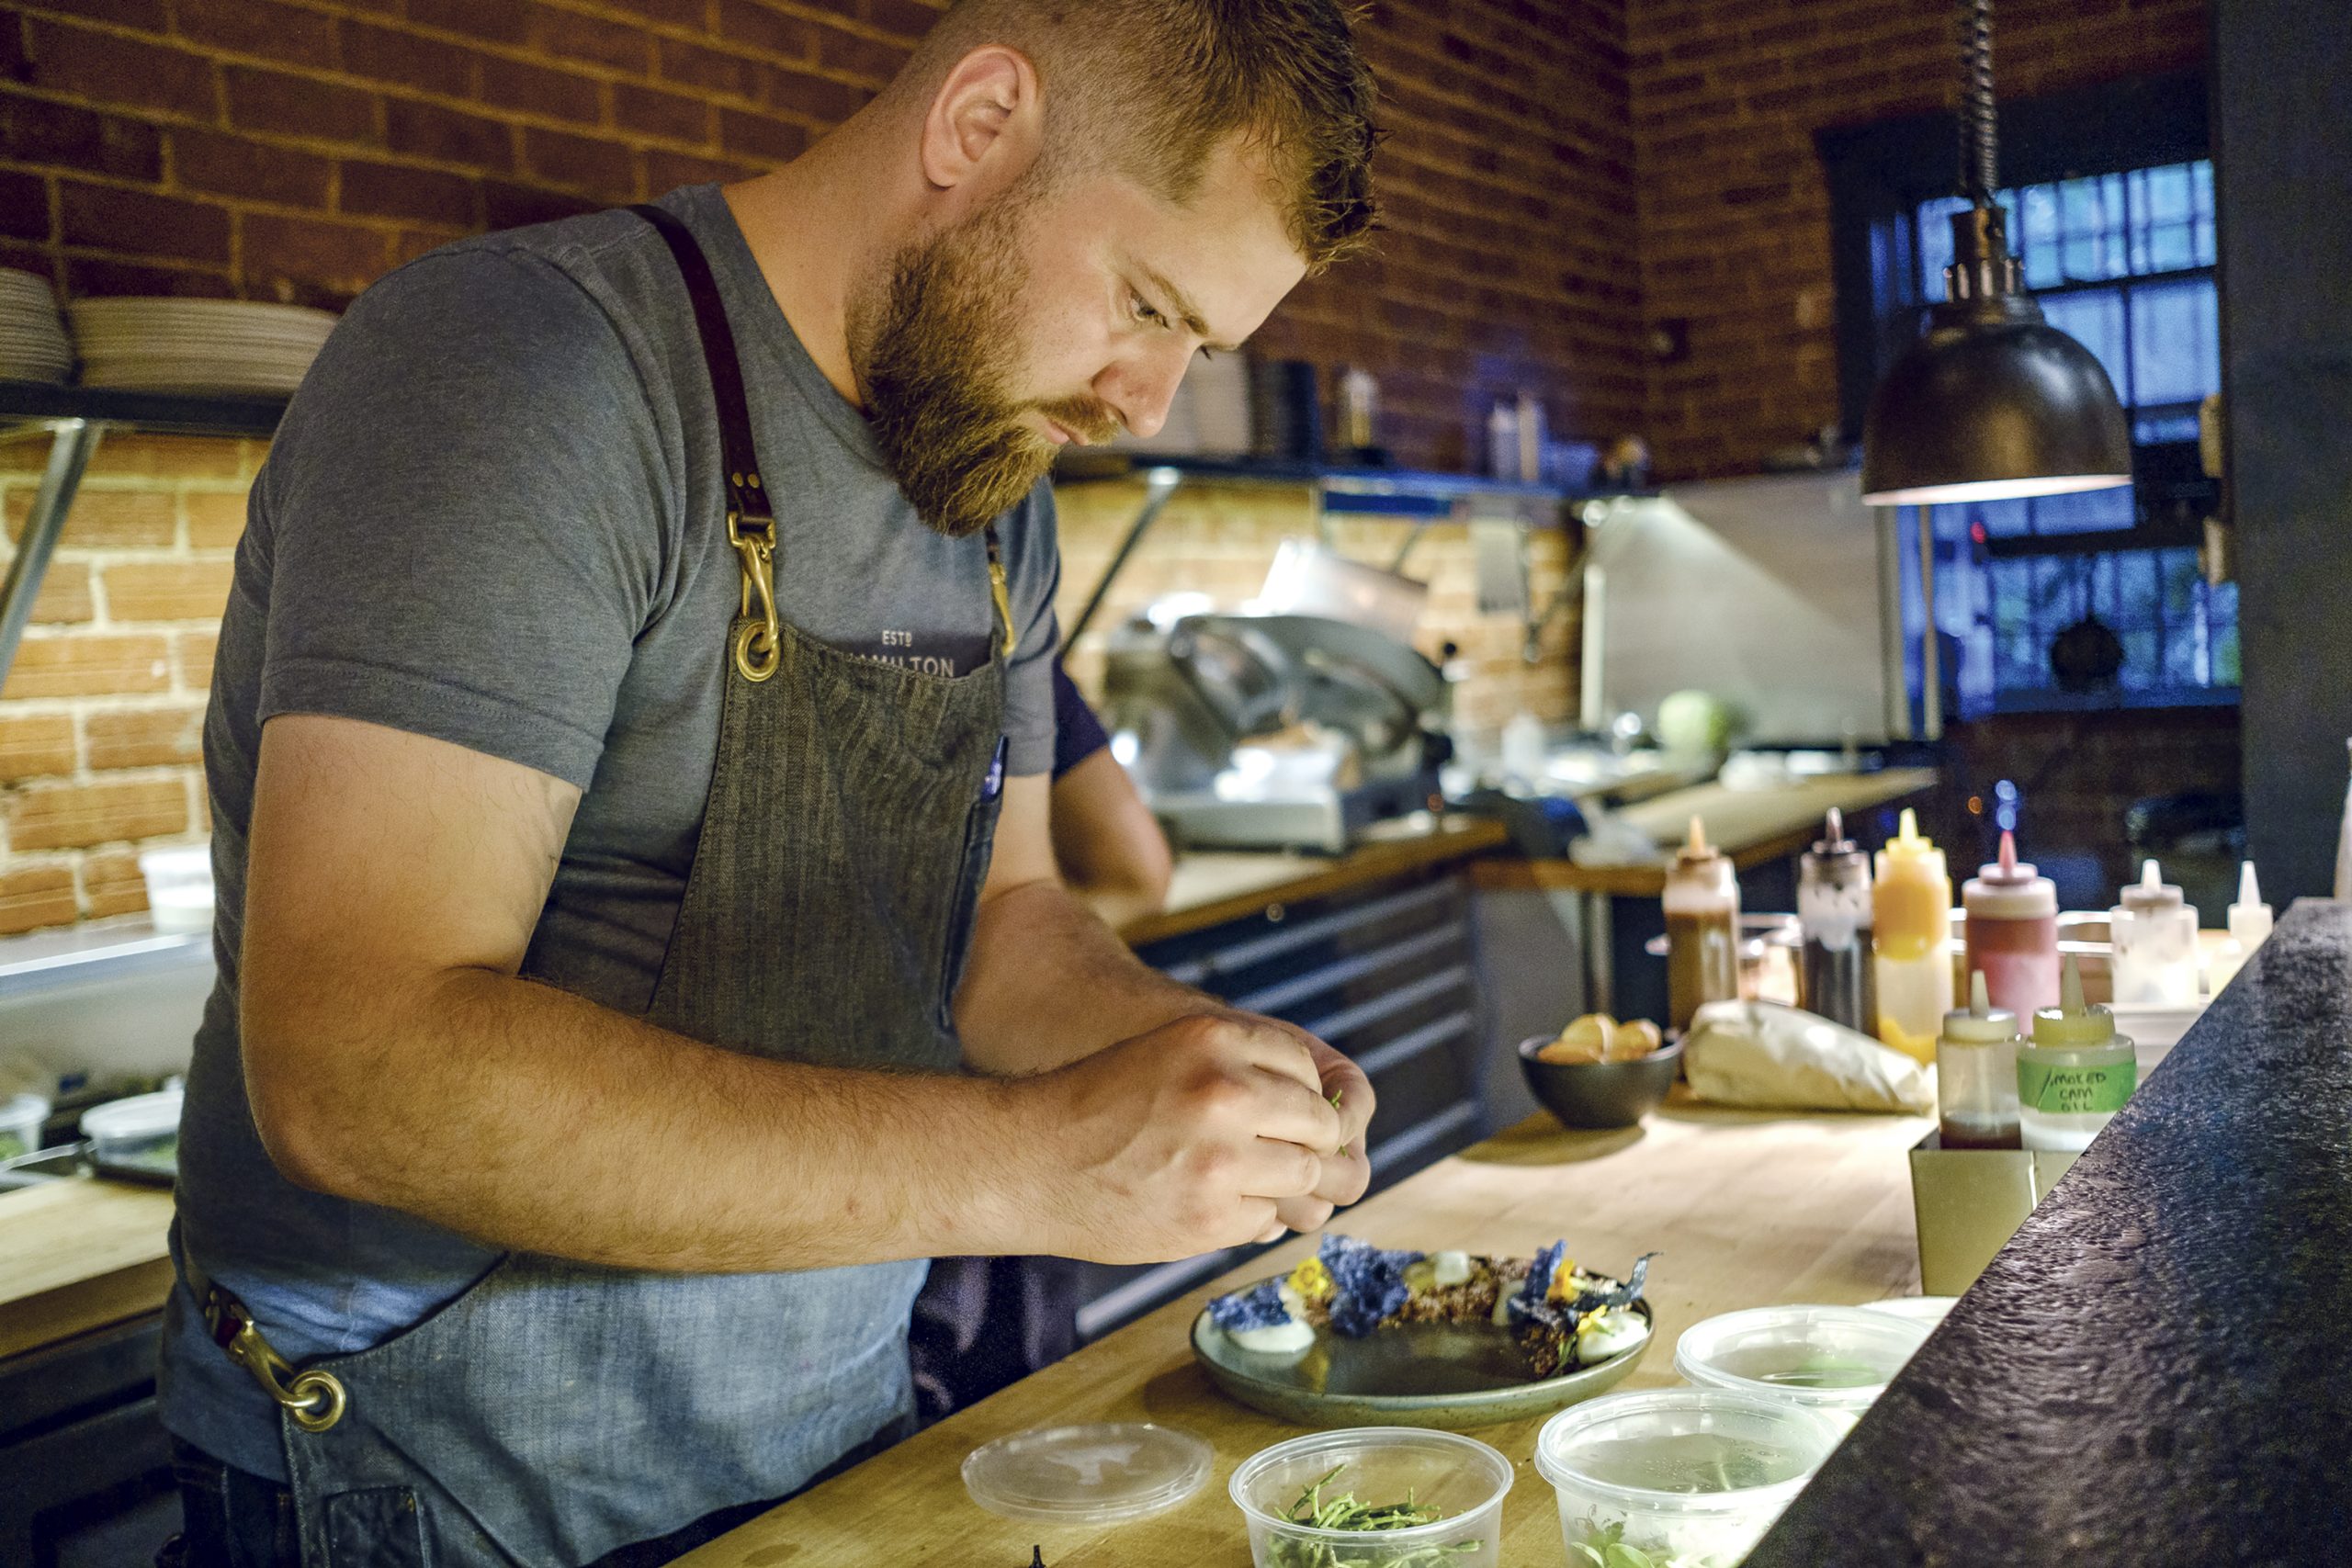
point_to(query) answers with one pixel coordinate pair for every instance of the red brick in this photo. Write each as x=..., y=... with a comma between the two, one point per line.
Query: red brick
x=141, y=224
x=668, y=171
x=259, y=27
x=145, y=15
x=906, y=18
x=192, y=652
x=447, y=135
x=102, y=275
x=497, y=21
x=42, y=131
x=401, y=190
x=649, y=111
x=71, y=817
x=341, y=257
x=511, y=86
x=24, y=206
x=216, y=519
x=581, y=163
x=112, y=884
x=747, y=24
x=819, y=98
x=88, y=666
x=131, y=454
x=166, y=591
x=506, y=204
x=35, y=746
x=37, y=896
x=299, y=105
x=694, y=14
x=571, y=35
x=857, y=56
x=713, y=71
x=760, y=138
x=388, y=54
x=144, y=738
x=108, y=68
x=223, y=164
x=64, y=598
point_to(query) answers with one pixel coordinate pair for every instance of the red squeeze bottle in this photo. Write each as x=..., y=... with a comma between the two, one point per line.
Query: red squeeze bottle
x=2013, y=932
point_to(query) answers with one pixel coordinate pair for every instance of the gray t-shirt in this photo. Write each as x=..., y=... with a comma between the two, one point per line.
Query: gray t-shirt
x=493, y=515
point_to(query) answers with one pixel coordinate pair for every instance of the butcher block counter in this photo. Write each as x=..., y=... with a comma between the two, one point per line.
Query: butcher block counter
x=1746, y=1210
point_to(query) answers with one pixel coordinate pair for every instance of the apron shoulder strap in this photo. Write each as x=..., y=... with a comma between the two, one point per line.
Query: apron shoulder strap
x=745, y=489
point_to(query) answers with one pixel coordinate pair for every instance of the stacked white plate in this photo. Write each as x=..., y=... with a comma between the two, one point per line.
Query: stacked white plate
x=33, y=346
x=197, y=345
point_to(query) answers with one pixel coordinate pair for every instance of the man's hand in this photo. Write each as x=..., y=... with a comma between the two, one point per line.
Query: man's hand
x=1202, y=1133
x=1347, y=1172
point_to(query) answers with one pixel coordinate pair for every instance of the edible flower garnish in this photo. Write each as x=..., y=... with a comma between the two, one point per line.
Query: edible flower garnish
x=1368, y=1283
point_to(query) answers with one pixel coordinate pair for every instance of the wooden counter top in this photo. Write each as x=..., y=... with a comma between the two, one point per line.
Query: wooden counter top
x=1747, y=1210
x=1752, y=826
x=77, y=1255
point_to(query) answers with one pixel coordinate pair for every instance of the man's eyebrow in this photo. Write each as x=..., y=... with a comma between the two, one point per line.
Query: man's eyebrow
x=1186, y=311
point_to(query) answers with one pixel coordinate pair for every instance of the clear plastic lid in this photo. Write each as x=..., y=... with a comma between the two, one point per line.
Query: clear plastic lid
x=1687, y=1450
x=1088, y=1475
x=1825, y=1358
x=140, y=1116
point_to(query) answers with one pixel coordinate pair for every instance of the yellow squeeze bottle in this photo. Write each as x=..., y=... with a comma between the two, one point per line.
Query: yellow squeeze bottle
x=1911, y=917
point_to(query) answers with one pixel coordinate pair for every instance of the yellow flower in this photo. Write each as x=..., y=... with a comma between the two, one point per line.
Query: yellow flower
x=1563, y=1285
x=1311, y=1281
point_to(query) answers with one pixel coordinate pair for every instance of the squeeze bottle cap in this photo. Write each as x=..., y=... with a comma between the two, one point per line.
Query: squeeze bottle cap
x=1696, y=850
x=1980, y=1022
x=2249, y=916
x=1908, y=850
x=1833, y=840
x=2072, y=1021
x=2007, y=870
x=2152, y=894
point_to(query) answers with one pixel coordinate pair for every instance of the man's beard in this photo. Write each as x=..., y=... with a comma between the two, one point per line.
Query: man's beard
x=933, y=350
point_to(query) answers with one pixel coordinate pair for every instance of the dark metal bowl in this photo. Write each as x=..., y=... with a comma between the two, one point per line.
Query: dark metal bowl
x=1599, y=1094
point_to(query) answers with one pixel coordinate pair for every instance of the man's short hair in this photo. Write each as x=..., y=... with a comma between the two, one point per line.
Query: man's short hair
x=1153, y=87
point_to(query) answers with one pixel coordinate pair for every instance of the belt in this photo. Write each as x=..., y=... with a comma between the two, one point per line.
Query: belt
x=314, y=1399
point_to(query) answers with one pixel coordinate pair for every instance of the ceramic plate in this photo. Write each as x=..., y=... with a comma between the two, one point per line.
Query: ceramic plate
x=1412, y=1375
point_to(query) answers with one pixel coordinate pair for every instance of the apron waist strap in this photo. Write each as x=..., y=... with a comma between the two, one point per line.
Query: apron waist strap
x=315, y=1400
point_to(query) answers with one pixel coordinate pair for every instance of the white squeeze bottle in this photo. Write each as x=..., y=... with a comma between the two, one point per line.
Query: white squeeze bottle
x=2074, y=1074
x=2154, y=932
x=2249, y=929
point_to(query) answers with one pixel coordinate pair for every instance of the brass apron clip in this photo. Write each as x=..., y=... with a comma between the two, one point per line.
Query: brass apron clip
x=758, y=642
x=314, y=1399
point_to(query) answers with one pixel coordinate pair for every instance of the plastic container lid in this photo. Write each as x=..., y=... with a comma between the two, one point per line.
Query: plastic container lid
x=2009, y=888
x=24, y=1110
x=1980, y=1022
x=2075, y=1022
x=1823, y=1358
x=2152, y=894
x=140, y=1116
x=1088, y=1475
x=1673, y=1450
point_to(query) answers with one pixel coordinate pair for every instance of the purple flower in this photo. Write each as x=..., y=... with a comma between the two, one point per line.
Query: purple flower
x=1369, y=1283
x=1259, y=1307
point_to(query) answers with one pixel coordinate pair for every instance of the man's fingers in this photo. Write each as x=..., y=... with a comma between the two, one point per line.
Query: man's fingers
x=1280, y=1170
x=1304, y=1215
x=1343, y=1178
x=1278, y=1051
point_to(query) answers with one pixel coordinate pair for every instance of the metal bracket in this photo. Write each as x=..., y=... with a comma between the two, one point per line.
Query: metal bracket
x=1159, y=485
x=72, y=442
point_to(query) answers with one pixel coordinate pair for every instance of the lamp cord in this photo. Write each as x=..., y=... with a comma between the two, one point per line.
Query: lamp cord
x=1979, y=149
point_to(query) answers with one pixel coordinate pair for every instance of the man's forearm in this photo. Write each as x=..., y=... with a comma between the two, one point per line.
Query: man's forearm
x=532, y=1119
x=1048, y=983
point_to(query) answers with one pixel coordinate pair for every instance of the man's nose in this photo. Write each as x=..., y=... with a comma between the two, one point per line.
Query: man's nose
x=1142, y=388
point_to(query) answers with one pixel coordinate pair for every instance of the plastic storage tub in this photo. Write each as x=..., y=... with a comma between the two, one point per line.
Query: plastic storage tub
x=1833, y=1360
x=20, y=1119
x=1460, y=1476
x=139, y=1136
x=1688, y=1476
x=179, y=888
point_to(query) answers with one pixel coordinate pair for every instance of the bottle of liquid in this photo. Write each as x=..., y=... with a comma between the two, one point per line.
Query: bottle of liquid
x=1912, y=904
x=2012, y=932
x=2249, y=929
x=2075, y=1074
x=2154, y=932
x=1976, y=1074
x=1701, y=929
x=1834, y=908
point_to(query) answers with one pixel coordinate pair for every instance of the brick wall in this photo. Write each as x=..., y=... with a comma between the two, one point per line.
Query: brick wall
x=1735, y=215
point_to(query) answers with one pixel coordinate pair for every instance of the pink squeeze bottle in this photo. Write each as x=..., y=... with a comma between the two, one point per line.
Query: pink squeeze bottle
x=2013, y=932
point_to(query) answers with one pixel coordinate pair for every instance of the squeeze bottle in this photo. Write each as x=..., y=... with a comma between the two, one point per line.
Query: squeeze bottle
x=2249, y=929
x=2075, y=1073
x=2012, y=931
x=2154, y=932
x=1701, y=929
x=1976, y=1074
x=1912, y=903
x=1834, y=910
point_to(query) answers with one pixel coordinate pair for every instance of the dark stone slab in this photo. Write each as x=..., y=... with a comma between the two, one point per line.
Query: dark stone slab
x=2157, y=1370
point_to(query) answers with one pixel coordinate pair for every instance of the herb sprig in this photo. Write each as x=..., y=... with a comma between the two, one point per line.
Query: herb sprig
x=1345, y=1511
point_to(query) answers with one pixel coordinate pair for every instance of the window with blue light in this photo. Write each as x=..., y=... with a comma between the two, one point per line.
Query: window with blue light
x=2124, y=263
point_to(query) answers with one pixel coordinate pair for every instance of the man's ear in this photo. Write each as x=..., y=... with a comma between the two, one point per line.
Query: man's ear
x=985, y=123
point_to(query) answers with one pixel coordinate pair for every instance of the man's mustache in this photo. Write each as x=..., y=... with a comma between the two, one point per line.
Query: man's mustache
x=1091, y=420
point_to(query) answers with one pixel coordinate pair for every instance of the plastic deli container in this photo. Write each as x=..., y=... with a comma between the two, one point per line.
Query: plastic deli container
x=1688, y=1476
x=139, y=1133
x=1100, y=1474
x=20, y=1119
x=1460, y=1477
x=1834, y=1359
x=179, y=888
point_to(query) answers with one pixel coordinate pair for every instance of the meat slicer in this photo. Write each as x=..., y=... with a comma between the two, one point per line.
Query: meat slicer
x=1350, y=721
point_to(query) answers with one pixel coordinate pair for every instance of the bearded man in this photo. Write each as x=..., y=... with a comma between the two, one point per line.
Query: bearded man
x=639, y=937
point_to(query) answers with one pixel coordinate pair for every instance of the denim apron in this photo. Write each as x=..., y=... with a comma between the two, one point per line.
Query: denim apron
x=557, y=1410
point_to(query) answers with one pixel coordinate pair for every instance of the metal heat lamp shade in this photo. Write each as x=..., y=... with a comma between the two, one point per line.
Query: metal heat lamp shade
x=1991, y=401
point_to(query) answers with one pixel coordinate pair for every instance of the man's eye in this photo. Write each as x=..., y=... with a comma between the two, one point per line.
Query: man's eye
x=1146, y=311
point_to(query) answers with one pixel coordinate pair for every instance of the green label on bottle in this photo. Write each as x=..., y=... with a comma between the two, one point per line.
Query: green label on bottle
x=2076, y=1091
